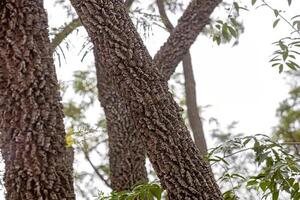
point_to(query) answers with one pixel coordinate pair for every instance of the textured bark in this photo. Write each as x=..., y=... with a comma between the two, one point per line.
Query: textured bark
x=190, y=24
x=126, y=152
x=31, y=118
x=127, y=64
x=190, y=88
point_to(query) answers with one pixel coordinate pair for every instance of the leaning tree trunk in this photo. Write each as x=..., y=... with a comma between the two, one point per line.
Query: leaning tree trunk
x=126, y=152
x=136, y=80
x=31, y=118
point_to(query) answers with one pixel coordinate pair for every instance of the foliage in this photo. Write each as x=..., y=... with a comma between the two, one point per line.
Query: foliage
x=288, y=129
x=147, y=191
x=278, y=170
x=287, y=48
x=278, y=174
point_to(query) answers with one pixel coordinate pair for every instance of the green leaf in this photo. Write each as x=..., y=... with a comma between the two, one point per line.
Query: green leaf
x=291, y=65
x=252, y=183
x=280, y=68
x=234, y=22
x=232, y=31
x=276, y=22
x=253, y=2
x=236, y=7
x=285, y=54
x=156, y=191
x=217, y=39
x=225, y=31
x=263, y=185
x=276, y=12
x=275, y=195
x=297, y=24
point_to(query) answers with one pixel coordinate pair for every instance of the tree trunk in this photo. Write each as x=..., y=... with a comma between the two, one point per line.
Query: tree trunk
x=191, y=103
x=136, y=80
x=31, y=118
x=127, y=154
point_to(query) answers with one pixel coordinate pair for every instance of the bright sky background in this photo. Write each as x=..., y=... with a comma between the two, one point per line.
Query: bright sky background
x=237, y=81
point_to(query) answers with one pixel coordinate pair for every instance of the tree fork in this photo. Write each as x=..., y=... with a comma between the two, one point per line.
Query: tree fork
x=135, y=78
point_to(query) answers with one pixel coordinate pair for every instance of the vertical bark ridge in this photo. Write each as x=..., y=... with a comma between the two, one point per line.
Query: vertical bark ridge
x=31, y=118
x=156, y=115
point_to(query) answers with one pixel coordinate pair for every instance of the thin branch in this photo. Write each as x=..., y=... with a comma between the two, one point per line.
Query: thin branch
x=282, y=17
x=163, y=15
x=67, y=30
x=95, y=169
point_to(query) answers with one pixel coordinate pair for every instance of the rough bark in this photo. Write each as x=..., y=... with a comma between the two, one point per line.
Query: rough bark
x=126, y=152
x=190, y=24
x=31, y=118
x=135, y=79
x=190, y=88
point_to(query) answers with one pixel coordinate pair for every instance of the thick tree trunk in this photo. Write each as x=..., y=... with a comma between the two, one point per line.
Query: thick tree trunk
x=136, y=80
x=127, y=154
x=31, y=119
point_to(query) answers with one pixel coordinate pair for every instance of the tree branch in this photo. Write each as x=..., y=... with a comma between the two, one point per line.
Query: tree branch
x=67, y=30
x=95, y=169
x=193, y=20
x=190, y=88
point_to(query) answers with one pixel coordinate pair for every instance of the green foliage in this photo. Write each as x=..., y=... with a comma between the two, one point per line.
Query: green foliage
x=277, y=176
x=278, y=170
x=228, y=29
x=288, y=47
x=288, y=113
x=147, y=191
x=286, y=54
